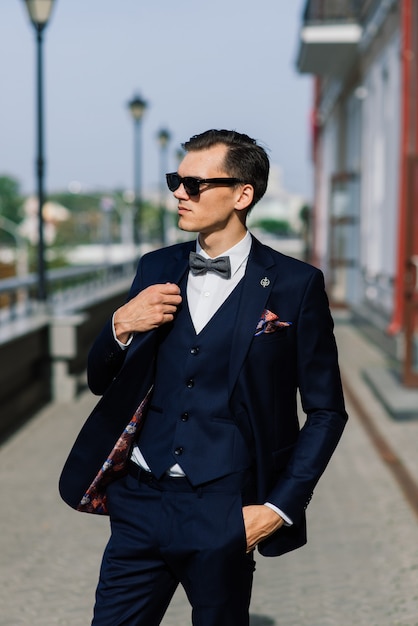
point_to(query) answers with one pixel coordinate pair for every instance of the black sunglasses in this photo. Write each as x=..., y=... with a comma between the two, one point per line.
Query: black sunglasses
x=192, y=184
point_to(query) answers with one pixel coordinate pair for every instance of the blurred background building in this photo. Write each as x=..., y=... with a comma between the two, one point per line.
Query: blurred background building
x=364, y=135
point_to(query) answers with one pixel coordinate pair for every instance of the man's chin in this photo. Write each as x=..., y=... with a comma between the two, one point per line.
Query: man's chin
x=186, y=228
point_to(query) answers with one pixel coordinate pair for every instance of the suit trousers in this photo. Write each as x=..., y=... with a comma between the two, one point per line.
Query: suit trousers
x=166, y=532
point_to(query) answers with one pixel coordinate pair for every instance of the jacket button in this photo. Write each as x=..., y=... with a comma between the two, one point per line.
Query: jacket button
x=184, y=416
x=190, y=383
x=194, y=351
x=178, y=451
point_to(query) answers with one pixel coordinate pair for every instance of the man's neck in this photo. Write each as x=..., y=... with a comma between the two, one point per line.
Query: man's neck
x=215, y=244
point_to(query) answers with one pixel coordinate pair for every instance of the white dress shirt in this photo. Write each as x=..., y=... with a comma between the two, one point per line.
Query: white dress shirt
x=205, y=295
x=207, y=292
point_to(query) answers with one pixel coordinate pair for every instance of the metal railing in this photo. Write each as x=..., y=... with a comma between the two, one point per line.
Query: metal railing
x=69, y=289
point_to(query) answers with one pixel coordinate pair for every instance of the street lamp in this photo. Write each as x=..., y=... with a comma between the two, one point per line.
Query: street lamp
x=137, y=108
x=163, y=137
x=39, y=14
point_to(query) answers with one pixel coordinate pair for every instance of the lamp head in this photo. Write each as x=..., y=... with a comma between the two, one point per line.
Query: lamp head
x=137, y=107
x=164, y=137
x=39, y=12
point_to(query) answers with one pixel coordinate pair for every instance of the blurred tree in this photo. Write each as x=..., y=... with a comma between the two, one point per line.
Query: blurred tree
x=83, y=227
x=77, y=202
x=10, y=215
x=280, y=228
x=10, y=199
x=306, y=217
x=10, y=207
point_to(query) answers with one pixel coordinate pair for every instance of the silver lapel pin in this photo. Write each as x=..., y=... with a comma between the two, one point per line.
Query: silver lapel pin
x=264, y=282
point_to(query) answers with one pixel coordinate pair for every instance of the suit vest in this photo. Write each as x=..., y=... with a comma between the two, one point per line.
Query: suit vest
x=189, y=421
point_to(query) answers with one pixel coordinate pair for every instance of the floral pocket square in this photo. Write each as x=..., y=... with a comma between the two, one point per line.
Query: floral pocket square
x=269, y=323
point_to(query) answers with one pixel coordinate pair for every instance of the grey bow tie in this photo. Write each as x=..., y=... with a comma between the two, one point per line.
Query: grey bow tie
x=199, y=265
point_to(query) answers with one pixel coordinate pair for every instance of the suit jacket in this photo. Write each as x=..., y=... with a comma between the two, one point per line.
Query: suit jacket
x=266, y=370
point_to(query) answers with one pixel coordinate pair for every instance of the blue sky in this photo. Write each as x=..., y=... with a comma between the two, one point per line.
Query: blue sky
x=200, y=65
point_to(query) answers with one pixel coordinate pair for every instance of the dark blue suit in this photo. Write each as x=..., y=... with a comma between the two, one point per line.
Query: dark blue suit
x=264, y=374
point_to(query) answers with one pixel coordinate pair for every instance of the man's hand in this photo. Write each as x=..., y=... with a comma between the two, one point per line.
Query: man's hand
x=152, y=307
x=260, y=521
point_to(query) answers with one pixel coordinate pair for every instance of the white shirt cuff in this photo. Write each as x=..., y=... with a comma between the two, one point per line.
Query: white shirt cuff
x=287, y=520
x=123, y=346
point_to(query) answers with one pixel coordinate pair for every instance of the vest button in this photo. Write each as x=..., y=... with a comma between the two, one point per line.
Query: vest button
x=178, y=451
x=194, y=351
x=184, y=417
x=190, y=383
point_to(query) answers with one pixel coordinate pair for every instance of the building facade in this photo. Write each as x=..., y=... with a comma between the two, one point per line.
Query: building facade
x=363, y=57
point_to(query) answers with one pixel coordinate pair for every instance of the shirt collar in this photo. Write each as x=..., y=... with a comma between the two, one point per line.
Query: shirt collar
x=238, y=254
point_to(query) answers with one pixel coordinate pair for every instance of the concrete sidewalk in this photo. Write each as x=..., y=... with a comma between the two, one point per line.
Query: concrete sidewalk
x=366, y=370
x=360, y=565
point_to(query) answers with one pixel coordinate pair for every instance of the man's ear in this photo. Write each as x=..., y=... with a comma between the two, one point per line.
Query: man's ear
x=245, y=198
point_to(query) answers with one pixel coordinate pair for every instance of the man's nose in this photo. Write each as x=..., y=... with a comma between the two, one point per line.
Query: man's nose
x=180, y=193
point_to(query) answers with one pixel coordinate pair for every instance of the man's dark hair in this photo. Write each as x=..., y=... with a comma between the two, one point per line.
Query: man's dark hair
x=244, y=160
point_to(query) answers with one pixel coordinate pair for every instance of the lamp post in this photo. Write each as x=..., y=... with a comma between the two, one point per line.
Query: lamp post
x=39, y=14
x=163, y=137
x=137, y=108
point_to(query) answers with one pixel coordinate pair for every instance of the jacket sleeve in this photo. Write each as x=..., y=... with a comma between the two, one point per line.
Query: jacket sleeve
x=106, y=357
x=104, y=361
x=322, y=400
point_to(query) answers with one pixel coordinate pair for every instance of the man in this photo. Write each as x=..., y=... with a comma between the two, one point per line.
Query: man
x=220, y=464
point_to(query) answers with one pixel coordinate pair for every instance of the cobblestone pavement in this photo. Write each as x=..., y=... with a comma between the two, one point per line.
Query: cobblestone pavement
x=360, y=566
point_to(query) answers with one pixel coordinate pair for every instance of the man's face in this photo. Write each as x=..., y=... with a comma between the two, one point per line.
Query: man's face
x=214, y=208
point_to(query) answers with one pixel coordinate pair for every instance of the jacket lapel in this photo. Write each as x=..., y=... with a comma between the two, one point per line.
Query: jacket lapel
x=258, y=282
x=181, y=260
x=176, y=267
